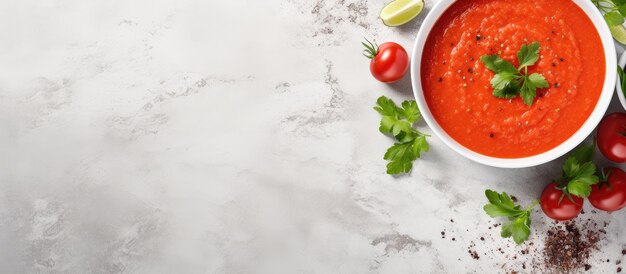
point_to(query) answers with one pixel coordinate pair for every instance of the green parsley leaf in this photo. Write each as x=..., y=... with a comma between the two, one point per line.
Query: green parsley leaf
x=402, y=155
x=386, y=107
x=398, y=122
x=518, y=221
x=410, y=111
x=587, y=169
x=528, y=92
x=584, y=153
x=503, y=79
x=538, y=80
x=497, y=64
x=529, y=88
x=579, y=172
x=386, y=124
x=509, y=91
x=570, y=167
x=519, y=228
x=420, y=145
x=401, y=158
x=614, y=18
x=579, y=188
x=581, y=184
x=401, y=129
x=508, y=81
x=528, y=55
x=622, y=9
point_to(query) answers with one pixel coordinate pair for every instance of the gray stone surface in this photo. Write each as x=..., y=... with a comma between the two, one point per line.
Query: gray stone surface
x=228, y=137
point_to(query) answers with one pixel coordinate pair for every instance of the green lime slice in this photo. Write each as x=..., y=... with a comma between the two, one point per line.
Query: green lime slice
x=619, y=33
x=399, y=12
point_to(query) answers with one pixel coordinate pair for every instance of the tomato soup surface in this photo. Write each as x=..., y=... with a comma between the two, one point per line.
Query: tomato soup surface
x=457, y=86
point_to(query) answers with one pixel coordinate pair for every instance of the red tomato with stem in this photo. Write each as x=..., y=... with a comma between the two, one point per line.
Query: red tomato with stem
x=389, y=61
x=610, y=193
x=612, y=137
x=557, y=205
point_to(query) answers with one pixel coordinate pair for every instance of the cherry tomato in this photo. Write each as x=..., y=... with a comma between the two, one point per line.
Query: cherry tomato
x=389, y=61
x=610, y=195
x=611, y=137
x=566, y=210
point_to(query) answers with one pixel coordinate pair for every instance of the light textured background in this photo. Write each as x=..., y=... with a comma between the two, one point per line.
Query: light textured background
x=227, y=137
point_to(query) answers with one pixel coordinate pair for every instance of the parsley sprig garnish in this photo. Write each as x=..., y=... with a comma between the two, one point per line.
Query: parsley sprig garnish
x=579, y=173
x=398, y=122
x=518, y=223
x=508, y=81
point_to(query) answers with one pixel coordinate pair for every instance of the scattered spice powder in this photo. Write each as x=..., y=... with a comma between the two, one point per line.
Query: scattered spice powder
x=472, y=251
x=567, y=248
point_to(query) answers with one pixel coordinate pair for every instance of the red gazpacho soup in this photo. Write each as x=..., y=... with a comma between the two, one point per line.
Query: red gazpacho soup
x=457, y=85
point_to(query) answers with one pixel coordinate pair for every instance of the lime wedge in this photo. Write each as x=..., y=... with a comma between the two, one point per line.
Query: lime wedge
x=399, y=12
x=619, y=33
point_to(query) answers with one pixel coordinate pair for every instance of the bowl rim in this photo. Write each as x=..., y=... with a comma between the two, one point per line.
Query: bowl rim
x=580, y=135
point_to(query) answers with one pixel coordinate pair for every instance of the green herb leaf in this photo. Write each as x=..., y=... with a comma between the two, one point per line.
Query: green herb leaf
x=518, y=224
x=529, y=88
x=580, y=187
x=401, y=158
x=508, y=81
x=386, y=107
x=528, y=55
x=528, y=92
x=497, y=64
x=410, y=111
x=587, y=169
x=622, y=9
x=509, y=91
x=571, y=167
x=538, y=80
x=519, y=228
x=614, y=18
x=583, y=153
x=500, y=205
x=398, y=122
x=503, y=79
x=420, y=145
x=579, y=172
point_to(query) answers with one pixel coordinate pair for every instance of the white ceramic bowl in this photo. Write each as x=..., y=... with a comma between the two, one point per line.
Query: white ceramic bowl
x=618, y=85
x=569, y=144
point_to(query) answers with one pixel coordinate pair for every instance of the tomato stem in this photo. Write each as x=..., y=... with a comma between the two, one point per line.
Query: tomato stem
x=371, y=49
